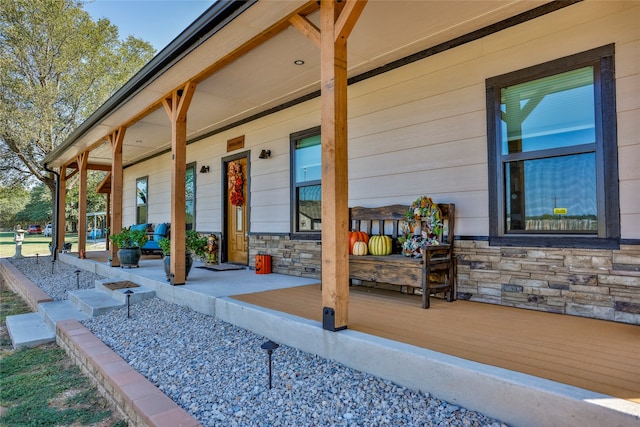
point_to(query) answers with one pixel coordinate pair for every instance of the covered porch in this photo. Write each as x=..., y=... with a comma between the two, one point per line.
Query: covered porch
x=522, y=366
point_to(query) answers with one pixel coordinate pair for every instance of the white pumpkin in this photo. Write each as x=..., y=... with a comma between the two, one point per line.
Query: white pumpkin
x=360, y=248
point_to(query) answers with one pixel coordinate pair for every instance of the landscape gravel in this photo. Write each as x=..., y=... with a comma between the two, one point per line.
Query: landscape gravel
x=219, y=374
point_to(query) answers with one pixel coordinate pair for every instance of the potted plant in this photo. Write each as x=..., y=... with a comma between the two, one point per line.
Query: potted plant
x=194, y=243
x=129, y=243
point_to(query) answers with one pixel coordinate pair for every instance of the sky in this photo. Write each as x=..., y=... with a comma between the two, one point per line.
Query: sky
x=155, y=21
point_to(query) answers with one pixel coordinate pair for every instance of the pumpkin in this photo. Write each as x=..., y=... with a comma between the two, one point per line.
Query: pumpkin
x=355, y=236
x=359, y=248
x=380, y=245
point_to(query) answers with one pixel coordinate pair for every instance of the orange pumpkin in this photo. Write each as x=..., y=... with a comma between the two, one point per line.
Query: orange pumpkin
x=355, y=236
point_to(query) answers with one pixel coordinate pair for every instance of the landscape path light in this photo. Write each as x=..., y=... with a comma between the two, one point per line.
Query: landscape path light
x=128, y=293
x=269, y=346
x=77, y=279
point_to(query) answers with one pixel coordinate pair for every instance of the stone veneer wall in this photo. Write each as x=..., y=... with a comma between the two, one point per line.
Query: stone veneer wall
x=292, y=257
x=596, y=283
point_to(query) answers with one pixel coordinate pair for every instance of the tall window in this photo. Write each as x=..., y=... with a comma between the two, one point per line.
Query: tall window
x=551, y=137
x=142, y=200
x=190, y=195
x=306, y=186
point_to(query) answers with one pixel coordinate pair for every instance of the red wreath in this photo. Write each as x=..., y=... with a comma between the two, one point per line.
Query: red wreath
x=236, y=182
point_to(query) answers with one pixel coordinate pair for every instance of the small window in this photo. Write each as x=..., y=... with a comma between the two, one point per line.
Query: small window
x=190, y=196
x=306, y=183
x=553, y=153
x=142, y=200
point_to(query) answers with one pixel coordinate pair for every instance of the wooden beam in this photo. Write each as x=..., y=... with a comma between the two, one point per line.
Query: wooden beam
x=347, y=19
x=335, y=186
x=98, y=167
x=107, y=242
x=176, y=105
x=307, y=28
x=115, y=140
x=62, y=201
x=82, y=160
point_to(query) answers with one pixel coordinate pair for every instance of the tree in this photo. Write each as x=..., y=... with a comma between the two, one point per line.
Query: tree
x=12, y=201
x=57, y=66
x=38, y=208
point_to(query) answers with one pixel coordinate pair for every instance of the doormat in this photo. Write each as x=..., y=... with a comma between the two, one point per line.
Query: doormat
x=223, y=267
x=120, y=285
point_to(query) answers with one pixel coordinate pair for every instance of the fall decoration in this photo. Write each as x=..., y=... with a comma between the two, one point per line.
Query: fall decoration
x=422, y=210
x=355, y=236
x=360, y=248
x=236, y=183
x=380, y=245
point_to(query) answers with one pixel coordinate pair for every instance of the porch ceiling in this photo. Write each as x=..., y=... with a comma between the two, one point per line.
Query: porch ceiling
x=266, y=75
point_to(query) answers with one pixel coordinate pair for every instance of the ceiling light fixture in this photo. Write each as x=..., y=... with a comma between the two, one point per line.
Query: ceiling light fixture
x=298, y=62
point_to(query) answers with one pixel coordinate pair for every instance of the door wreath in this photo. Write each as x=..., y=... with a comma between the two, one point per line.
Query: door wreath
x=236, y=183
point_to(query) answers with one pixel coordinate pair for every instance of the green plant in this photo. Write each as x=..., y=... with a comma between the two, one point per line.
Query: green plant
x=129, y=238
x=196, y=243
x=165, y=245
x=193, y=242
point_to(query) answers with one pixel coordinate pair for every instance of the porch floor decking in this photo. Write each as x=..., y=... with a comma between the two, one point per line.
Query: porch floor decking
x=595, y=355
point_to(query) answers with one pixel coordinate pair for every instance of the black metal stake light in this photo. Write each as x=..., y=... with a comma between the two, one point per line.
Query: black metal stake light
x=269, y=346
x=37, y=259
x=77, y=279
x=53, y=264
x=128, y=293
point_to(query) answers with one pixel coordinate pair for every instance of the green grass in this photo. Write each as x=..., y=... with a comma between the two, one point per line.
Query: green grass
x=42, y=387
x=33, y=244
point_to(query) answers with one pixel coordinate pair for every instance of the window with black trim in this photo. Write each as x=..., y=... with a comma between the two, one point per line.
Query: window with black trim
x=142, y=199
x=306, y=183
x=553, y=153
x=190, y=195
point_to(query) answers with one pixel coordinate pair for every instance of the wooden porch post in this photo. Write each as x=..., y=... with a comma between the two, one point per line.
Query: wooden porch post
x=62, y=201
x=176, y=106
x=336, y=22
x=82, y=160
x=115, y=140
x=107, y=221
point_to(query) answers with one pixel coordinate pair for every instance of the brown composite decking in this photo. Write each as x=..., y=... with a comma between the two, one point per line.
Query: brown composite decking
x=592, y=354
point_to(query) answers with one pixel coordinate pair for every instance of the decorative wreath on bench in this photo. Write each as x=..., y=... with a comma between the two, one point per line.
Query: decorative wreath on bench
x=413, y=239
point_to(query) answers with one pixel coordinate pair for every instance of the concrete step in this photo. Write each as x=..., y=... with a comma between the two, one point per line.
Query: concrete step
x=29, y=330
x=55, y=311
x=92, y=302
x=136, y=293
x=33, y=329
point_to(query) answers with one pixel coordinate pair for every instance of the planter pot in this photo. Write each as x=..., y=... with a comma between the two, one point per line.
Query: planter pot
x=129, y=257
x=167, y=266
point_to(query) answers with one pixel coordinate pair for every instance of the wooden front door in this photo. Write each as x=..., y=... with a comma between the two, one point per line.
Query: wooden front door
x=237, y=213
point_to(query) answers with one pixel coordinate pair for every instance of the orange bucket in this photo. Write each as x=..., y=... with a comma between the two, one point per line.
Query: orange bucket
x=263, y=264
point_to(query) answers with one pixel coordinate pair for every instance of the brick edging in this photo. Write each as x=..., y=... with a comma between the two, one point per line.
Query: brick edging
x=142, y=403
x=20, y=284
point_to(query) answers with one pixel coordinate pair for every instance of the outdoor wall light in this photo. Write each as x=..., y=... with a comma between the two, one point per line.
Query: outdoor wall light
x=77, y=279
x=269, y=346
x=204, y=169
x=265, y=154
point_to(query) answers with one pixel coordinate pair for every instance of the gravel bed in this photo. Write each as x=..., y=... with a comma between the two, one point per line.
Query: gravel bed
x=219, y=374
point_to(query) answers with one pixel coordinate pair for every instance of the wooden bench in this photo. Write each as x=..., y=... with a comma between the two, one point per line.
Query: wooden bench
x=434, y=273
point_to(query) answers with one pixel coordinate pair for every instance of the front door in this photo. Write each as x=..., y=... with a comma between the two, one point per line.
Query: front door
x=237, y=213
